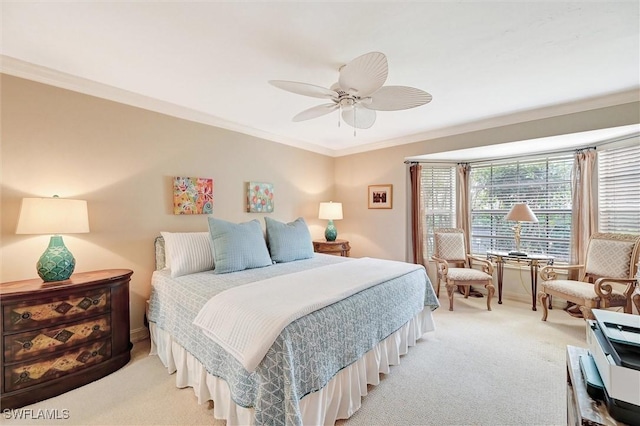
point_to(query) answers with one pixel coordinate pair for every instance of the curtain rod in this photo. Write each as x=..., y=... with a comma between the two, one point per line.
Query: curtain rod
x=530, y=155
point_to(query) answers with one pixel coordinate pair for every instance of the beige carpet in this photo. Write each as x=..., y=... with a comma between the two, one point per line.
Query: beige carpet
x=504, y=367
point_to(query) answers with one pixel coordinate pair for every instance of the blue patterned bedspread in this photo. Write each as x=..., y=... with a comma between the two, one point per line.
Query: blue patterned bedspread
x=308, y=352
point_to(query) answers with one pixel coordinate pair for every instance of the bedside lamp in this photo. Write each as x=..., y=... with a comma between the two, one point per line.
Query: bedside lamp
x=54, y=216
x=331, y=211
x=520, y=213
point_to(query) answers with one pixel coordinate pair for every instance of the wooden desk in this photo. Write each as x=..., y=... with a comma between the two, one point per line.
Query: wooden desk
x=532, y=260
x=581, y=408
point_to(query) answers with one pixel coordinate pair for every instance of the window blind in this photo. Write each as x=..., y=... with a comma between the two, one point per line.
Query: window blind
x=543, y=183
x=438, y=188
x=619, y=189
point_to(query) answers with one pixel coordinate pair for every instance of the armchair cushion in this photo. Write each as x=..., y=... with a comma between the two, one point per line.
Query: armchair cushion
x=609, y=258
x=467, y=274
x=579, y=289
x=451, y=246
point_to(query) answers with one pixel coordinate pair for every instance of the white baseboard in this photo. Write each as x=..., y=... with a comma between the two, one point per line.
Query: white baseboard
x=139, y=334
x=557, y=303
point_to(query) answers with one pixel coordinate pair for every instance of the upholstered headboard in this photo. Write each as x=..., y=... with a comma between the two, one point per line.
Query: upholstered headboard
x=160, y=255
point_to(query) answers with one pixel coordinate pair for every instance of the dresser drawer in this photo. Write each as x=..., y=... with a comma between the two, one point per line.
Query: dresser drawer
x=34, y=343
x=41, y=313
x=43, y=369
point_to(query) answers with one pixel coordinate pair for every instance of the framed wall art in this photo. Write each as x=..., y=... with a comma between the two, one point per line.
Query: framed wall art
x=260, y=197
x=381, y=196
x=192, y=195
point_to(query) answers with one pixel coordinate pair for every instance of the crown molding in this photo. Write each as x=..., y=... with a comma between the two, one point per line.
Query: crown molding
x=18, y=68
x=618, y=98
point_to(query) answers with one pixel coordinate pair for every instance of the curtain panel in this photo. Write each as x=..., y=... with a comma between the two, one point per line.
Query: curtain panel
x=417, y=216
x=584, y=206
x=463, y=201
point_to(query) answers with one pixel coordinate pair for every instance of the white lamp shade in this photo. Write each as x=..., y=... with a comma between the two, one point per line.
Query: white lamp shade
x=53, y=216
x=522, y=213
x=330, y=210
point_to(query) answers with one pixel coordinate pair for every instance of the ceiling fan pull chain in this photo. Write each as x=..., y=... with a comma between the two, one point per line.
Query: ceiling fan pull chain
x=339, y=115
x=354, y=120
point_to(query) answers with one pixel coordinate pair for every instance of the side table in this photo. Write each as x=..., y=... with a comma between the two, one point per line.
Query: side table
x=337, y=247
x=533, y=260
x=581, y=408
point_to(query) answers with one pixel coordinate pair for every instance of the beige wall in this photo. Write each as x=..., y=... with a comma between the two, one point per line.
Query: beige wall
x=121, y=160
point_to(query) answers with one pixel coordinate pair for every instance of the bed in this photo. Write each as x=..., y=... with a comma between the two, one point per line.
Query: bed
x=318, y=367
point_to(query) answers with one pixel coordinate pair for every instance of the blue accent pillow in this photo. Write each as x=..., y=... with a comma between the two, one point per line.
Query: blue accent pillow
x=288, y=241
x=237, y=246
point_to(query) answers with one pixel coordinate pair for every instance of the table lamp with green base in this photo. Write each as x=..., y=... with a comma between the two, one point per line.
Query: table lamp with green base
x=330, y=211
x=54, y=216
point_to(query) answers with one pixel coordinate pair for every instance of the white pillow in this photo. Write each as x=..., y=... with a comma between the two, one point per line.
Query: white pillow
x=187, y=252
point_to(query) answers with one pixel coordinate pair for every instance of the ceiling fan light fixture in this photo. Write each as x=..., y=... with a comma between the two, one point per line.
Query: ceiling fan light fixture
x=346, y=103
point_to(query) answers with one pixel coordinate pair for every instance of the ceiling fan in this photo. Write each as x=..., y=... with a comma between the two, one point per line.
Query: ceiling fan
x=359, y=93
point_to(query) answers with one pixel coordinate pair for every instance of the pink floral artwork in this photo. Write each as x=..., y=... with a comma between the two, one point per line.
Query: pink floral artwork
x=259, y=197
x=192, y=195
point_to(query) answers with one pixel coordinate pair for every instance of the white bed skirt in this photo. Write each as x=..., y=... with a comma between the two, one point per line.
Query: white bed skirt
x=339, y=399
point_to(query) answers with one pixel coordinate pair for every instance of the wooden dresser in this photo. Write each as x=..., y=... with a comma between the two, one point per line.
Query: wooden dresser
x=60, y=335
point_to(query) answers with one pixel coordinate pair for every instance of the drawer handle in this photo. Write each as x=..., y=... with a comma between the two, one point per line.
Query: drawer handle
x=95, y=301
x=95, y=327
x=94, y=353
x=24, y=375
x=27, y=345
x=26, y=315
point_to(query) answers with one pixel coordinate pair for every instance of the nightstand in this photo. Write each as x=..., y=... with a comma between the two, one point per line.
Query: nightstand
x=57, y=336
x=337, y=247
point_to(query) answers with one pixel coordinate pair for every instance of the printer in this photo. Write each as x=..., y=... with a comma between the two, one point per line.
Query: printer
x=612, y=368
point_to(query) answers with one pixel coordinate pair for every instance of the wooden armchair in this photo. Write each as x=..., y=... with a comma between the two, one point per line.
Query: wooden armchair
x=607, y=277
x=450, y=250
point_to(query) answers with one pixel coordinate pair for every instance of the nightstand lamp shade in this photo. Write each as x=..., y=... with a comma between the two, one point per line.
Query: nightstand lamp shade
x=520, y=212
x=330, y=211
x=54, y=216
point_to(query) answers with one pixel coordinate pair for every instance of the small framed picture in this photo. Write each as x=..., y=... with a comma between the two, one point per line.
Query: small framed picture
x=381, y=196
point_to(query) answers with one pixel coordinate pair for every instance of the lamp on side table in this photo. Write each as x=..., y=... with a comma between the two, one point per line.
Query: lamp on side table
x=331, y=211
x=520, y=212
x=54, y=216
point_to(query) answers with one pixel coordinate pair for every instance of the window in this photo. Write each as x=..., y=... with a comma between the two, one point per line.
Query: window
x=439, y=198
x=619, y=189
x=543, y=183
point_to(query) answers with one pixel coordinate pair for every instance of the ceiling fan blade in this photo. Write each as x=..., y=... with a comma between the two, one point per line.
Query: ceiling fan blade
x=358, y=117
x=316, y=111
x=394, y=98
x=365, y=74
x=304, y=89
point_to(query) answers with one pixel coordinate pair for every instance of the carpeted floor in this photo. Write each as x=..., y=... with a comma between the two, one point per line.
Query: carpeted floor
x=504, y=367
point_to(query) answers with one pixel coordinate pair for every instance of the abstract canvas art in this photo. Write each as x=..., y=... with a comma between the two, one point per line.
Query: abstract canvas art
x=259, y=197
x=192, y=195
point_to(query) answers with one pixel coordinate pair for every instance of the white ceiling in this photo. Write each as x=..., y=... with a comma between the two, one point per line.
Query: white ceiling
x=485, y=63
